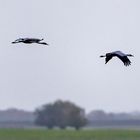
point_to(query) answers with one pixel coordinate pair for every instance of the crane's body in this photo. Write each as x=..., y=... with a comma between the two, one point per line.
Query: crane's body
x=122, y=56
x=29, y=41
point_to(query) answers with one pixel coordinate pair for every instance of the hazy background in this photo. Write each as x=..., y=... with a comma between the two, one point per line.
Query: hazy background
x=78, y=31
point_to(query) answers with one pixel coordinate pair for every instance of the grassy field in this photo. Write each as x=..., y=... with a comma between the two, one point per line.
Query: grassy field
x=21, y=134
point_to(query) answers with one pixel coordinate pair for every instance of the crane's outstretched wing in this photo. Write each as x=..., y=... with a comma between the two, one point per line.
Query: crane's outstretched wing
x=126, y=61
x=108, y=57
x=123, y=57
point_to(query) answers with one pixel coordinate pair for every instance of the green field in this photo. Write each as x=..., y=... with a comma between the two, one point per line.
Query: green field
x=21, y=134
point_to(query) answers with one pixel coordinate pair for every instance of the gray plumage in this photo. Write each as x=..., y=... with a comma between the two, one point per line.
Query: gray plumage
x=122, y=56
x=29, y=41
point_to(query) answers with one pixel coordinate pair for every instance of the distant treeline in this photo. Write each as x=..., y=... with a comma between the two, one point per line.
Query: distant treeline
x=13, y=114
x=102, y=115
x=98, y=118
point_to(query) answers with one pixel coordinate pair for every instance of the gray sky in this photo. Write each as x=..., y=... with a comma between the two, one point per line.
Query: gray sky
x=78, y=31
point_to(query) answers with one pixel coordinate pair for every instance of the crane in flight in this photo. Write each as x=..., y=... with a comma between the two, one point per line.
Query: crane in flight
x=29, y=41
x=122, y=56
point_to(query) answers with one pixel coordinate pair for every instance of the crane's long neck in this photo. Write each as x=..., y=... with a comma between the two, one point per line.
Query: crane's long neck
x=102, y=55
x=16, y=42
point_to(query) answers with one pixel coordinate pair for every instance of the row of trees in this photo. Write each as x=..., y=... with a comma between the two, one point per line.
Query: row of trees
x=60, y=114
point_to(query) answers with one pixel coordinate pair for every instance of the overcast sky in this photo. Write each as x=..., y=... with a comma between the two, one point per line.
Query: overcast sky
x=78, y=31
